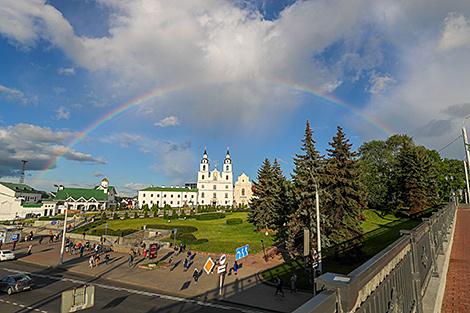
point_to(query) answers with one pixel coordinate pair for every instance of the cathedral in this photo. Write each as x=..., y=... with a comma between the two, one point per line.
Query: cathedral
x=215, y=187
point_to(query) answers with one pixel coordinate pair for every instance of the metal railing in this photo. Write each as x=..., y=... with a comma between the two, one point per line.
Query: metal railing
x=395, y=279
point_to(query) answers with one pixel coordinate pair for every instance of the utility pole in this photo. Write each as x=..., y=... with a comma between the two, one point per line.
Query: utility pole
x=466, y=194
x=467, y=155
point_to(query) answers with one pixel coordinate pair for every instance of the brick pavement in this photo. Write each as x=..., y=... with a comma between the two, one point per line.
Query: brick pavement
x=457, y=291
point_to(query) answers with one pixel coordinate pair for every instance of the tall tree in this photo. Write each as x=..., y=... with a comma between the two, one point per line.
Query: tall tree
x=283, y=196
x=264, y=201
x=346, y=195
x=306, y=178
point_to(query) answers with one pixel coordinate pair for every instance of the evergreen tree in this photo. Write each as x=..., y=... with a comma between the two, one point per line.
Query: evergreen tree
x=346, y=196
x=263, y=203
x=283, y=201
x=307, y=176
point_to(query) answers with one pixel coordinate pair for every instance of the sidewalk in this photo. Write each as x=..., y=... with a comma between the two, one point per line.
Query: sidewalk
x=457, y=291
x=246, y=288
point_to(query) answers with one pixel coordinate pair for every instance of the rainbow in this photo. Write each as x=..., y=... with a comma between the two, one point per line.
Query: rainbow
x=160, y=91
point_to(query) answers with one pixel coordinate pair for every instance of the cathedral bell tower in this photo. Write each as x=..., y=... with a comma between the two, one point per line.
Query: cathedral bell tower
x=227, y=169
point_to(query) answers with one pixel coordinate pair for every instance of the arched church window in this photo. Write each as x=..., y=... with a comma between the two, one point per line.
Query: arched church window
x=214, y=195
x=215, y=187
x=226, y=195
x=226, y=177
x=203, y=168
x=202, y=195
x=227, y=167
x=243, y=191
x=202, y=176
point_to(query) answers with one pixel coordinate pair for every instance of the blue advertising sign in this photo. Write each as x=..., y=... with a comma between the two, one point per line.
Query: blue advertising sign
x=241, y=252
x=14, y=237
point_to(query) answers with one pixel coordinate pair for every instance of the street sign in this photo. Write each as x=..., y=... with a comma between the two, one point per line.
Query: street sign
x=209, y=265
x=241, y=252
x=223, y=259
x=221, y=269
x=14, y=237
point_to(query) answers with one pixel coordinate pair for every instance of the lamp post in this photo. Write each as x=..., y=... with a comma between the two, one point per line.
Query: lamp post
x=264, y=251
x=317, y=211
x=467, y=155
x=62, y=246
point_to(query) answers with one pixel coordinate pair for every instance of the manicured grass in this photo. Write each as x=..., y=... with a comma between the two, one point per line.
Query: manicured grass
x=222, y=238
x=375, y=220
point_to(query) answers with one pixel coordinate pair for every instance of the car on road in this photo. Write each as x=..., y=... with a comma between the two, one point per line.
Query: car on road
x=6, y=255
x=16, y=283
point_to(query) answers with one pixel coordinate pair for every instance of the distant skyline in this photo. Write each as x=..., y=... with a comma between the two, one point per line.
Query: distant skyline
x=135, y=90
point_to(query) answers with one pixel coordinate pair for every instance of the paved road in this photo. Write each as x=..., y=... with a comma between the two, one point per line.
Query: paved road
x=109, y=297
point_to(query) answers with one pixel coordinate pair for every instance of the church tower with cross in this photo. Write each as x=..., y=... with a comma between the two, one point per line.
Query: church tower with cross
x=215, y=187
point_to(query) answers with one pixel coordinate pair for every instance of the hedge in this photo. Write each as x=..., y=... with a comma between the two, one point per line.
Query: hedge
x=181, y=229
x=234, y=221
x=188, y=238
x=111, y=232
x=210, y=216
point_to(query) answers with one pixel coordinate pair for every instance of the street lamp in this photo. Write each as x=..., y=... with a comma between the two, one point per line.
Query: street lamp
x=62, y=246
x=467, y=155
x=317, y=210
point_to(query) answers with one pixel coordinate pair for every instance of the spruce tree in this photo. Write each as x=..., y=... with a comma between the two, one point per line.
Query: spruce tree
x=306, y=177
x=283, y=195
x=263, y=203
x=346, y=196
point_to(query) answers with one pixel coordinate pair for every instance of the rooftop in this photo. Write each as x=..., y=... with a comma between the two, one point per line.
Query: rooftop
x=174, y=189
x=20, y=187
x=77, y=193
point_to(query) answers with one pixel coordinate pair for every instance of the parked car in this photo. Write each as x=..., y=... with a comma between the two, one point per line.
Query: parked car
x=16, y=283
x=6, y=255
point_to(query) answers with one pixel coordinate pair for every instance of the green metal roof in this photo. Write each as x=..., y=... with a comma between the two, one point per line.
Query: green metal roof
x=77, y=193
x=20, y=187
x=32, y=205
x=176, y=189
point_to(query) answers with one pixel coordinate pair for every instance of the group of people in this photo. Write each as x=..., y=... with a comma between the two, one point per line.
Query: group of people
x=279, y=285
x=95, y=260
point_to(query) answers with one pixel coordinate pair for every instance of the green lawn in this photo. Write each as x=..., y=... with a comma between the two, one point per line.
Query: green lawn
x=222, y=238
x=375, y=220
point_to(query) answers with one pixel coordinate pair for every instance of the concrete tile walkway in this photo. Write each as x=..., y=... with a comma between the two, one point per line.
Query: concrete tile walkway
x=457, y=291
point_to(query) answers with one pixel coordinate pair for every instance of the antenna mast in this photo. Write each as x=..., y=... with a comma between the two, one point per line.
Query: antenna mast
x=23, y=169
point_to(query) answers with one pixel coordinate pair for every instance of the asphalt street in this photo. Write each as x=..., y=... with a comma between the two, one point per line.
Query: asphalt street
x=109, y=296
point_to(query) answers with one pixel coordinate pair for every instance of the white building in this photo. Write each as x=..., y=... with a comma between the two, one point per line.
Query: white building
x=243, y=191
x=18, y=200
x=175, y=197
x=214, y=187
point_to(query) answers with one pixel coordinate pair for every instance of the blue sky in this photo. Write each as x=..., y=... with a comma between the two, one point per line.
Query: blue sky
x=66, y=64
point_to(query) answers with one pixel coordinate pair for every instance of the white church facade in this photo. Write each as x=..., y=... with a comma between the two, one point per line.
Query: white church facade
x=215, y=187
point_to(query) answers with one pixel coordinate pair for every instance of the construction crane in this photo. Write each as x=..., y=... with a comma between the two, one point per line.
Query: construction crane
x=23, y=170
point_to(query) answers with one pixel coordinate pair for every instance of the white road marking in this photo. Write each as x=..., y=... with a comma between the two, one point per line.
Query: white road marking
x=134, y=291
x=22, y=306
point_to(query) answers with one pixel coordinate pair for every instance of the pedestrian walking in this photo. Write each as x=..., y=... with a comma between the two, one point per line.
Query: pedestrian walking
x=279, y=287
x=29, y=249
x=82, y=249
x=235, y=267
x=196, y=275
x=97, y=260
x=130, y=259
x=186, y=264
x=106, y=259
x=14, y=245
x=40, y=240
x=293, y=283
x=91, y=261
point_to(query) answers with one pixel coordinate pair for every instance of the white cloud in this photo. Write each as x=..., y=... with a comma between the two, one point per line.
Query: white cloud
x=38, y=145
x=456, y=32
x=135, y=186
x=168, y=121
x=13, y=94
x=380, y=83
x=62, y=113
x=66, y=71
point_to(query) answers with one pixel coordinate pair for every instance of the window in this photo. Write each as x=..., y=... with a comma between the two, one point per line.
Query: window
x=202, y=186
x=151, y=195
x=226, y=177
x=164, y=202
x=226, y=186
x=226, y=195
x=143, y=202
x=215, y=187
x=202, y=176
x=185, y=196
x=226, y=202
x=243, y=191
x=202, y=196
x=171, y=202
x=178, y=196
x=192, y=196
x=151, y=202
x=202, y=201
x=214, y=195
x=178, y=203
x=227, y=168
x=203, y=168
x=143, y=195
x=171, y=195
x=164, y=195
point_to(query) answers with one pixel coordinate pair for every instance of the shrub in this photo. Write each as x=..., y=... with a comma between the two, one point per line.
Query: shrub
x=234, y=221
x=188, y=238
x=115, y=216
x=51, y=218
x=126, y=216
x=210, y=216
x=136, y=215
